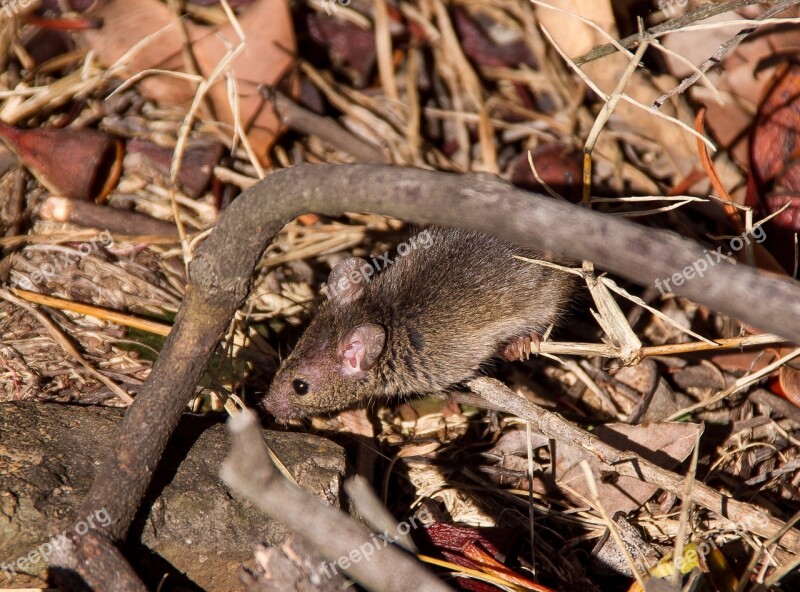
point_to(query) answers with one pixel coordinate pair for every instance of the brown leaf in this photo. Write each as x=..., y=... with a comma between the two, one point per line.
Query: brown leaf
x=197, y=164
x=91, y=170
x=666, y=444
x=515, y=442
x=268, y=56
x=349, y=45
x=479, y=46
x=557, y=165
x=657, y=401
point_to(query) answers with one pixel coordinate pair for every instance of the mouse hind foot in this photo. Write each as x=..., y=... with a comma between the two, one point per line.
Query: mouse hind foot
x=521, y=347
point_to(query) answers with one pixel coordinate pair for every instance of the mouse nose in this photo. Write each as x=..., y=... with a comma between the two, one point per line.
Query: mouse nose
x=278, y=402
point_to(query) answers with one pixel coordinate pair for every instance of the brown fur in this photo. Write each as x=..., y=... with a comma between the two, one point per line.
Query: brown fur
x=446, y=310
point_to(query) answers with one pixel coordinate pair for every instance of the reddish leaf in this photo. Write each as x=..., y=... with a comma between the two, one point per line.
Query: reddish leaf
x=91, y=170
x=775, y=141
x=479, y=46
x=775, y=145
x=452, y=542
x=559, y=166
x=197, y=164
x=789, y=381
x=348, y=44
x=455, y=538
x=774, y=178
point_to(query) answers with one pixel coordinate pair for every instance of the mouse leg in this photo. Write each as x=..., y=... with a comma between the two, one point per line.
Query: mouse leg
x=520, y=348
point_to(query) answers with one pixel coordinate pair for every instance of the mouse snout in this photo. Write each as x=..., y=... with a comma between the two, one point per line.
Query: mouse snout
x=279, y=401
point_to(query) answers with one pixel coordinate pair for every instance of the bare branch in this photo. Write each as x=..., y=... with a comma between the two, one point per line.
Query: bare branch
x=249, y=471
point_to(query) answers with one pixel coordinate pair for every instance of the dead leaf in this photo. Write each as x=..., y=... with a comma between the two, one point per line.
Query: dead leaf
x=775, y=143
x=268, y=56
x=350, y=46
x=197, y=164
x=775, y=162
x=90, y=173
x=478, y=44
x=610, y=557
x=789, y=380
x=352, y=421
x=557, y=165
x=658, y=400
x=515, y=442
x=666, y=444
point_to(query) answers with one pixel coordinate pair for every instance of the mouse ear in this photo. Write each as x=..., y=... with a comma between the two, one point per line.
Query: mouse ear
x=347, y=281
x=361, y=347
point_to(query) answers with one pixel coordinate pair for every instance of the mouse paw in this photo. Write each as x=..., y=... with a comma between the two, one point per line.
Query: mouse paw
x=520, y=348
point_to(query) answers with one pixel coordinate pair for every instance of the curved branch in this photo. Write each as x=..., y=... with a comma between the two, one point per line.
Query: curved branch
x=220, y=277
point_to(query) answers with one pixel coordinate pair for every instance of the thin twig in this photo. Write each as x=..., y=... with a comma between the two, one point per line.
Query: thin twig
x=655, y=43
x=605, y=113
x=698, y=14
x=686, y=508
x=307, y=122
x=623, y=96
x=383, y=50
x=612, y=527
x=105, y=314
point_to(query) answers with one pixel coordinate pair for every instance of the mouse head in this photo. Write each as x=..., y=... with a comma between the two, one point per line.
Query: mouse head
x=331, y=366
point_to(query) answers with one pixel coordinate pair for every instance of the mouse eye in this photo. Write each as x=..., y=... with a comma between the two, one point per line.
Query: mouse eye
x=300, y=386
